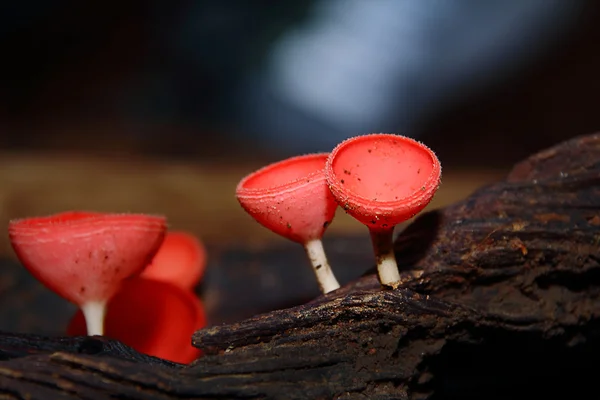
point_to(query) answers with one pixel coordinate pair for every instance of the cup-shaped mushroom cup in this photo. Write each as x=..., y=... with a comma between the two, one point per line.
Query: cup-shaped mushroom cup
x=85, y=256
x=382, y=180
x=291, y=198
x=180, y=260
x=154, y=317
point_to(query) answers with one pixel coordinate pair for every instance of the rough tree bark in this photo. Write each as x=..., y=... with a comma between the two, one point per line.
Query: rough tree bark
x=507, y=305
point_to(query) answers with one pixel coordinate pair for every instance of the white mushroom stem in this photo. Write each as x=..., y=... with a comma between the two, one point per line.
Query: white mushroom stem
x=387, y=267
x=94, y=312
x=325, y=276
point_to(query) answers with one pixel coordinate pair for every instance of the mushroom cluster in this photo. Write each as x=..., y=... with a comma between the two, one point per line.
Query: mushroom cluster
x=131, y=279
x=379, y=179
x=134, y=281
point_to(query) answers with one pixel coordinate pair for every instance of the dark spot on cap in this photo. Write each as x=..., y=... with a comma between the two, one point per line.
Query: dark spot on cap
x=369, y=150
x=384, y=225
x=326, y=224
x=347, y=172
x=105, y=257
x=342, y=181
x=373, y=221
x=82, y=289
x=289, y=226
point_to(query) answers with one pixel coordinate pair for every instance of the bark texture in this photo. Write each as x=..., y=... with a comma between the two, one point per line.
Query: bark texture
x=507, y=305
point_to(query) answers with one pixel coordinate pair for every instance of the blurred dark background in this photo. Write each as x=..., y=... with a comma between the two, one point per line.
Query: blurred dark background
x=163, y=107
x=483, y=83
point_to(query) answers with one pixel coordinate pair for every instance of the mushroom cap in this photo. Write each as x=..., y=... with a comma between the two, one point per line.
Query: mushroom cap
x=153, y=317
x=382, y=179
x=83, y=256
x=290, y=197
x=180, y=260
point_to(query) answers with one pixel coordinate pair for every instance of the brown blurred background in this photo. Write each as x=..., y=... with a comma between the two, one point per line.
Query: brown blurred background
x=67, y=143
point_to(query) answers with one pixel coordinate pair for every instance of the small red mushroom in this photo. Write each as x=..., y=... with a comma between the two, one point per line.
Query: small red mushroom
x=291, y=198
x=180, y=260
x=85, y=256
x=155, y=318
x=383, y=180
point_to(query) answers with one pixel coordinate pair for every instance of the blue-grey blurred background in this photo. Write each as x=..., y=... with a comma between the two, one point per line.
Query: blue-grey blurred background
x=480, y=81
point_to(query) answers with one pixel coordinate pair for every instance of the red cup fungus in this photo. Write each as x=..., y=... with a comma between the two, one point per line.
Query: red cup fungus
x=383, y=180
x=180, y=260
x=154, y=317
x=291, y=198
x=85, y=256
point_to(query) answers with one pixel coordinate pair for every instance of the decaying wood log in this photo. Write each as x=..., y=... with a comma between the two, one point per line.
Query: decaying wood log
x=508, y=305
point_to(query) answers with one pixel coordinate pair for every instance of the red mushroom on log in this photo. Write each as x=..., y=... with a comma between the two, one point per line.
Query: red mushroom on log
x=291, y=198
x=383, y=180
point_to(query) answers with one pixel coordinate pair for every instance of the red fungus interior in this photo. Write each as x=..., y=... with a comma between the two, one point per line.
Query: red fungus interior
x=180, y=260
x=385, y=169
x=285, y=172
x=60, y=218
x=153, y=317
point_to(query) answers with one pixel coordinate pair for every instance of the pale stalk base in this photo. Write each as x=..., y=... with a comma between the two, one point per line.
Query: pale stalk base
x=325, y=276
x=94, y=312
x=387, y=267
